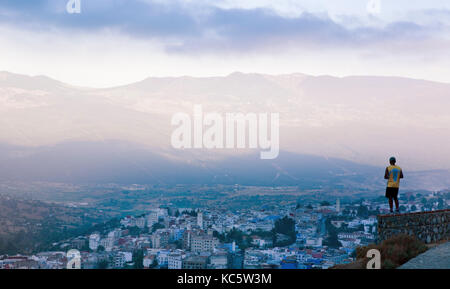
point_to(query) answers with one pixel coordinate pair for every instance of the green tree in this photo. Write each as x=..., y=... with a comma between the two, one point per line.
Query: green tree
x=441, y=204
x=102, y=264
x=192, y=213
x=325, y=203
x=332, y=240
x=134, y=231
x=154, y=264
x=138, y=259
x=363, y=211
x=285, y=226
x=157, y=226
x=235, y=235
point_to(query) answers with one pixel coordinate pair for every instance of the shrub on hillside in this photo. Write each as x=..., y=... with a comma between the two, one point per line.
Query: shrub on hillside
x=394, y=252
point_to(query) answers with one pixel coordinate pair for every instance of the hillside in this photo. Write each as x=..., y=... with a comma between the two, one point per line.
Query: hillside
x=363, y=119
x=28, y=225
x=122, y=162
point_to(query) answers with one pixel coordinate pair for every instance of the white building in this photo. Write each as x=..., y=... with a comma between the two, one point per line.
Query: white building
x=152, y=218
x=140, y=222
x=314, y=242
x=94, y=241
x=163, y=257
x=107, y=243
x=160, y=239
x=264, y=226
x=262, y=243
x=115, y=234
x=200, y=220
x=203, y=243
x=104, y=243
x=219, y=261
x=128, y=256
x=119, y=260
x=354, y=223
x=174, y=261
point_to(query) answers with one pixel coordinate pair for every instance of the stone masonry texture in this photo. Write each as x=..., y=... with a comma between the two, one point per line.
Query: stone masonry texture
x=428, y=227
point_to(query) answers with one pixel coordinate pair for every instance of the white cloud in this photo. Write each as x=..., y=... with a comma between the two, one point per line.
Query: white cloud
x=109, y=47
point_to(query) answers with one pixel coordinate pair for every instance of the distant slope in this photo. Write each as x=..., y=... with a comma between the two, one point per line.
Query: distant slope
x=126, y=163
x=119, y=162
x=27, y=226
x=365, y=119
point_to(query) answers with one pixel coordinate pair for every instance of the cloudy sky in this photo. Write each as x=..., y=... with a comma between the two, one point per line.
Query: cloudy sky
x=113, y=42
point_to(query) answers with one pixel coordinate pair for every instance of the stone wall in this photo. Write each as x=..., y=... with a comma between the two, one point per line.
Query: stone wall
x=428, y=227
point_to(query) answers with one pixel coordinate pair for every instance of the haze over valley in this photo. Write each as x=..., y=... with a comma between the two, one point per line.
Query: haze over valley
x=333, y=130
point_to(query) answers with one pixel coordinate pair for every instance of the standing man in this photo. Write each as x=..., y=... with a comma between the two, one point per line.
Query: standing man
x=393, y=174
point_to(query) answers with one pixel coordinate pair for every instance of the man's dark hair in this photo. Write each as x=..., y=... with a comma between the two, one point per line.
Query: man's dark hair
x=392, y=160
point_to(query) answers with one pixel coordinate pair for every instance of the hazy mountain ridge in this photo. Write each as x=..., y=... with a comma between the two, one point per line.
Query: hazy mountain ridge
x=127, y=163
x=360, y=118
x=121, y=162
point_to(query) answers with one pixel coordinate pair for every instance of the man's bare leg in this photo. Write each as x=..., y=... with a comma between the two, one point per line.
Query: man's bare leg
x=396, y=204
x=391, y=205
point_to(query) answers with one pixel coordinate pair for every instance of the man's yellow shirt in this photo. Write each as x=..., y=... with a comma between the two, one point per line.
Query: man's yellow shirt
x=394, y=174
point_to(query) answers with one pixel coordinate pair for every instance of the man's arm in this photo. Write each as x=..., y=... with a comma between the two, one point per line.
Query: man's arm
x=386, y=174
x=401, y=174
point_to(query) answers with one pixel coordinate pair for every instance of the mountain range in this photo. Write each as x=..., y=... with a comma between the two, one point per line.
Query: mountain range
x=332, y=130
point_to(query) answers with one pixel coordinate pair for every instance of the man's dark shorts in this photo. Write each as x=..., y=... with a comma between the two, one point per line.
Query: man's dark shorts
x=391, y=193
